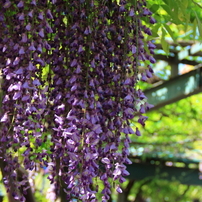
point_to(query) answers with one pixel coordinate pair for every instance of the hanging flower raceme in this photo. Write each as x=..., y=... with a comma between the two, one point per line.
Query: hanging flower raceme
x=70, y=70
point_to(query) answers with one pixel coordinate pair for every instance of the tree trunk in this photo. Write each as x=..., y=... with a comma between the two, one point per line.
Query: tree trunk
x=20, y=172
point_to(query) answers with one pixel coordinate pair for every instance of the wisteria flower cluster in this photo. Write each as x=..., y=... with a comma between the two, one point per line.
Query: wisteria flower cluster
x=69, y=71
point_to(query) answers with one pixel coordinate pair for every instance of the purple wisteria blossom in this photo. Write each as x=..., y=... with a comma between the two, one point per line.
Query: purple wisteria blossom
x=70, y=70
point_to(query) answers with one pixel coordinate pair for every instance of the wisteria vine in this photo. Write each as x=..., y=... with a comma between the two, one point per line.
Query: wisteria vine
x=70, y=74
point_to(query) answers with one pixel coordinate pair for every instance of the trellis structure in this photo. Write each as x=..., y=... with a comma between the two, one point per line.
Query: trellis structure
x=178, y=86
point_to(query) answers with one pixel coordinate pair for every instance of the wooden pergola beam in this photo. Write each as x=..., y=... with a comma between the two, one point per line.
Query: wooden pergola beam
x=171, y=60
x=194, y=50
x=184, y=175
x=175, y=89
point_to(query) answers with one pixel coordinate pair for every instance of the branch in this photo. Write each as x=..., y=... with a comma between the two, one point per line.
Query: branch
x=21, y=172
x=197, y=4
x=138, y=197
x=185, y=191
x=167, y=143
x=29, y=196
x=11, y=185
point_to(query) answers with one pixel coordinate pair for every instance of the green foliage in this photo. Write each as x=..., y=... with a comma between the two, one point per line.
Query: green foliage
x=176, y=19
x=175, y=128
x=162, y=190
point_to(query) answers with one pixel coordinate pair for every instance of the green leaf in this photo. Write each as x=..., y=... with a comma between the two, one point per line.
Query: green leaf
x=171, y=33
x=184, y=4
x=164, y=43
x=155, y=29
x=118, y=2
x=199, y=24
x=197, y=4
x=154, y=8
x=173, y=13
x=167, y=9
x=45, y=72
x=166, y=2
x=194, y=28
x=187, y=17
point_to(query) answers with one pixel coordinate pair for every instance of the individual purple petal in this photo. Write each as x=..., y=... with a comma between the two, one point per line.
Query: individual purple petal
x=26, y=85
x=151, y=45
x=87, y=30
x=119, y=190
x=104, y=177
x=48, y=28
x=146, y=12
x=129, y=113
x=28, y=27
x=132, y=13
x=133, y=49
x=30, y=14
x=142, y=120
x=142, y=109
x=21, y=16
x=152, y=20
x=122, y=179
x=127, y=160
x=9, y=76
x=32, y=48
x=24, y=38
x=33, y=2
x=137, y=132
x=20, y=4
x=97, y=128
x=152, y=60
x=149, y=106
x=15, y=86
x=148, y=74
x=7, y=4
x=41, y=33
x=49, y=14
x=40, y=61
x=73, y=63
x=58, y=119
x=8, y=62
x=129, y=98
x=148, y=31
x=17, y=95
x=105, y=160
x=39, y=48
x=40, y=16
x=122, y=8
x=47, y=46
x=80, y=49
x=21, y=51
x=19, y=71
x=4, y=118
x=26, y=97
x=141, y=95
x=36, y=82
x=130, y=130
x=31, y=67
x=125, y=173
x=117, y=171
x=6, y=98
x=4, y=48
x=143, y=77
